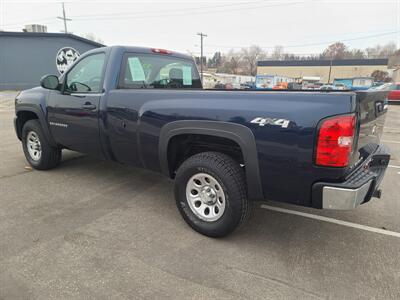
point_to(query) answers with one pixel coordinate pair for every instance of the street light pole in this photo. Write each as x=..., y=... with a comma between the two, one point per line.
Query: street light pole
x=202, y=35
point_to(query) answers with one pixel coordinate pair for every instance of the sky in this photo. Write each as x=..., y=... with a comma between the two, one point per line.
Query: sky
x=300, y=26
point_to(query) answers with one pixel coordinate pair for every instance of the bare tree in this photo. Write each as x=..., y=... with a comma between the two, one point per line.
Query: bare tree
x=251, y=56
x=388, y=50
x=234, y=59
x=215, y=61
x=278, y=53
x=379, y=51
x=337, y=50
x=231, y=62
x=357, y=53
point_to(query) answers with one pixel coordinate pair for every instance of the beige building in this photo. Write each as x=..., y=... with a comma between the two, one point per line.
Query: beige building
x=394, y=65
x=343, y=68
x=396, y=75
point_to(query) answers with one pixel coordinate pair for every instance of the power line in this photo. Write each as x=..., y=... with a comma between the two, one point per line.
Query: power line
x=64, y=18
x=313, y=44
x=271, y=3
x=179, y=12
x=192, y=12
x=173, y=11
x=235, y=7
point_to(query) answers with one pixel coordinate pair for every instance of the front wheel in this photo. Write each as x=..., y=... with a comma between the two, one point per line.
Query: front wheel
x=210, y=192
x=38, y=152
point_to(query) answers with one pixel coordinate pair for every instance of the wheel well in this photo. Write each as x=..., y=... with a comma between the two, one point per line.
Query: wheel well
x=22, y=118
x=181, y=147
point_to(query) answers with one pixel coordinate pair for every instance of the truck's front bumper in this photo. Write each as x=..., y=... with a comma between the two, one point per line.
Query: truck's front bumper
x=357, y=188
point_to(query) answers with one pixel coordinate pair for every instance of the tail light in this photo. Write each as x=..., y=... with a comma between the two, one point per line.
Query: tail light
x=335, y=141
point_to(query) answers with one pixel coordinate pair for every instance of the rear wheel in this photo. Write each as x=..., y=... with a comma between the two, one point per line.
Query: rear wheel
x=38, y=152
x=210, y=192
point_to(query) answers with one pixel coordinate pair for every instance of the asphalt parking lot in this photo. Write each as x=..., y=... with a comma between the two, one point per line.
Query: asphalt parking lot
x=98, y=230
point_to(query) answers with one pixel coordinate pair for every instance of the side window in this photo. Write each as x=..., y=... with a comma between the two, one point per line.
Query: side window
x=85, y=76
x=158, y=71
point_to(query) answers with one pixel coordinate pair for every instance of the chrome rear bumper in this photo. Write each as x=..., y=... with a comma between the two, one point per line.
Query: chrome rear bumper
x=357, y=188
x=342, y=198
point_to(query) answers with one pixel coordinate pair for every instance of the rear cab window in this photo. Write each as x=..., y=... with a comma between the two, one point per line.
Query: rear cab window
x=155, y=71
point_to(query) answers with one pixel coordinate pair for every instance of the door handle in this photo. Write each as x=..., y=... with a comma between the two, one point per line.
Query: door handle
x=89, y=106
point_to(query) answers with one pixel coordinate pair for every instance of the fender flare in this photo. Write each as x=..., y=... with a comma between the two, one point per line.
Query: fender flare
x=240, y=134
x=42, y=121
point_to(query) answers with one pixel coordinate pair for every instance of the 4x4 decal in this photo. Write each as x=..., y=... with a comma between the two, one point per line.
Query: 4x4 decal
x=271, y=121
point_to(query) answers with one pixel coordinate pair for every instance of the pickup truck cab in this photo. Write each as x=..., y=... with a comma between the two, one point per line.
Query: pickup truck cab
x=224, y=149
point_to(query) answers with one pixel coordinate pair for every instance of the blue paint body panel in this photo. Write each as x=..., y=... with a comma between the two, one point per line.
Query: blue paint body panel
x=127, y=125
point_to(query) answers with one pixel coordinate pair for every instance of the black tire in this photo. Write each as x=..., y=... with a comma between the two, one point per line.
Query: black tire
x=50, y=156
x=230, y=177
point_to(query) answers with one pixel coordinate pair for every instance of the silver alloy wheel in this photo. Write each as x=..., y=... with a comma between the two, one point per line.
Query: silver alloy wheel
x=205, y=197
x=33, y=145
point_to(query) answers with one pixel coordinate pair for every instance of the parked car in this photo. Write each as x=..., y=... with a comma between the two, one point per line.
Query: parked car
x=209, y=80
x=317, y=85
x=249, y=85
x=312, y=86
x=393, y=89
x=383, y=87
x=327, y=87
x=294, y=86
x=340, y=86
x=224, y=149
x=229, y=86
x=354, y=83
x=281, y=86
x=269, y=82
x=377, y=83
x=220, y=86
x=394, y=93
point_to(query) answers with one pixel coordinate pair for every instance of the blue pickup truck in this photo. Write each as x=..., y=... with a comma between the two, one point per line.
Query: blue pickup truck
x=224, y=149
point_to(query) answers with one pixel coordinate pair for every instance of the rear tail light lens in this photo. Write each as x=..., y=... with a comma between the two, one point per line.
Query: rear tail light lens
x=335, y=141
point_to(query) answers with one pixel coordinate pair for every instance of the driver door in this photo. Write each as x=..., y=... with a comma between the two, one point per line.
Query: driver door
x=73, y=112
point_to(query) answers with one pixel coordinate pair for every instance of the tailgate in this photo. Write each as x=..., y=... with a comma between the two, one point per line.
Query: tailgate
x=371, y=109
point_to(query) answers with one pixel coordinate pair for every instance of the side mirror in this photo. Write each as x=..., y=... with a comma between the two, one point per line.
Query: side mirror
x=49, y=82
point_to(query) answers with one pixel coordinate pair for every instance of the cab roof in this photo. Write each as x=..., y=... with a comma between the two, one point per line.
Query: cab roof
x=146, y=50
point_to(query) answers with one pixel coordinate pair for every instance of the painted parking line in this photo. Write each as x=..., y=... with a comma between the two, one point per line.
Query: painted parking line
x=332, y=220
x=389, y=141
x=395, y=128
x=392, y=166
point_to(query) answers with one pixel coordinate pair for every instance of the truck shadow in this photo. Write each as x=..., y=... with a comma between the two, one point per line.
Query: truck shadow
x=273, y=250
x=158, y=189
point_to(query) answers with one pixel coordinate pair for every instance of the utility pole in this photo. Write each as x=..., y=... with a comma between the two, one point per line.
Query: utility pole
x=330, y=70
x=398, y=24
x=202, y=35
x=64, y=18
